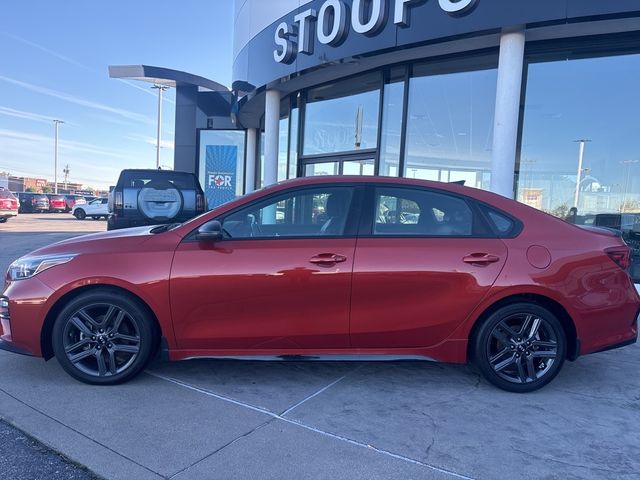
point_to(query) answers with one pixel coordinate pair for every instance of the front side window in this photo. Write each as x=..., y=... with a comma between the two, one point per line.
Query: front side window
x=414, y=212
x=300, y=213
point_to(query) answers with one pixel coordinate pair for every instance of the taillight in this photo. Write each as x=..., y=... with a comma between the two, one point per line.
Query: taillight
x=117, y=201
x=620, y=255
x=34, y=201
x=199, y=202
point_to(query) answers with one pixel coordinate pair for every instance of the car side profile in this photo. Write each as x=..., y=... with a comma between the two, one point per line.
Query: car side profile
x=331, y=268
x=94, y=209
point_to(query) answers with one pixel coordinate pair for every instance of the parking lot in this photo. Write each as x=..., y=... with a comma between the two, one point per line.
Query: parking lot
x=399, y=420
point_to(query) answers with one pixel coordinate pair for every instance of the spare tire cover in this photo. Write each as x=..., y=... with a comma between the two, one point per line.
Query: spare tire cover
x=160, y=201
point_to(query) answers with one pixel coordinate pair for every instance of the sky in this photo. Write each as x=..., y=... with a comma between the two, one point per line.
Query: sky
x=54, y=59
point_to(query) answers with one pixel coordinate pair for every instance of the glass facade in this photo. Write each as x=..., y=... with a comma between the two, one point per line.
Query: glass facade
x=450, y=125
x=590, y=99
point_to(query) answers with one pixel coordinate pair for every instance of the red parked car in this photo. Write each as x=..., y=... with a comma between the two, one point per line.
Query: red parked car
x=9, y=205
x=331, y=267
x=57, y=203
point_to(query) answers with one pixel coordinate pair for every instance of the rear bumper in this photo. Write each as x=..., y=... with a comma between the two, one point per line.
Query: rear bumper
x=8, y=213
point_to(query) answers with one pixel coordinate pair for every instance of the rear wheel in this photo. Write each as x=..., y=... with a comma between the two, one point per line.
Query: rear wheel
x=103, y=337
x=3, y=219
x=520, y=347
x=80, y=214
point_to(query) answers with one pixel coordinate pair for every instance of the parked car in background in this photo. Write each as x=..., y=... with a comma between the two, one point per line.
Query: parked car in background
x=95, y=209
x=154, y=197
x=8, y=205
x=628, y=225
x=72, y=200
x=57, y=203
x=455, y=275
x=33, y=202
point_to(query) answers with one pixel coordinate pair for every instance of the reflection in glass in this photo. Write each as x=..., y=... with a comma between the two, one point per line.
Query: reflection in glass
x=450, y=126
x=593, y=99
x=391, y=129
x=317, y=169
x=342, y=117
x=293, y=144
x=359, y=167
x=283, y=148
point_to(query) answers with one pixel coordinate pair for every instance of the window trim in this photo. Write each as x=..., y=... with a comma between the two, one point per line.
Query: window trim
x=368, y=213
x=350, y=229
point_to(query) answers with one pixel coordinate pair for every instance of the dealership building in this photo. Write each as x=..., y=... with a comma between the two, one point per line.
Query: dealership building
x=533, y=99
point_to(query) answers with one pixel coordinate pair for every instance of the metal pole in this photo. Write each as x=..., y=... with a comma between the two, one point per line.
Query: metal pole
x=161, y=89
x=580, y=161
x=55, y=173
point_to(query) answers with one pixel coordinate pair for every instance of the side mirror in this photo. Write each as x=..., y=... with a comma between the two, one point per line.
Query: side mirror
x=210, y=231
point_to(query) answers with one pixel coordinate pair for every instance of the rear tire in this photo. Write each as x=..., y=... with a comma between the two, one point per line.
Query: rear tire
x=520, y=347
x=80, y=214
x=3, y=220
x=104, y=337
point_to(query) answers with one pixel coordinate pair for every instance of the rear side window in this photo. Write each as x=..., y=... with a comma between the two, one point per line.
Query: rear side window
x=501, y=223
x=417, y=212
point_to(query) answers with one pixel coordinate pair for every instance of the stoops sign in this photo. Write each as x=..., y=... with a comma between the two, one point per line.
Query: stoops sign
x=221, y=172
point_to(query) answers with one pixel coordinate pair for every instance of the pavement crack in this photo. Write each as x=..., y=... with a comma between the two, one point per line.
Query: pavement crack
x=228, y=444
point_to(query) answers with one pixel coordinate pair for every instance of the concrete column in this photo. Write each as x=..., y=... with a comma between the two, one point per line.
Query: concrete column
x=505, y=131
x=271, y=136
x=250, y=169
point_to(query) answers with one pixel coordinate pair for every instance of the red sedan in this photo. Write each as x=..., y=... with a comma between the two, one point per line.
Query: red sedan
x=331, y=267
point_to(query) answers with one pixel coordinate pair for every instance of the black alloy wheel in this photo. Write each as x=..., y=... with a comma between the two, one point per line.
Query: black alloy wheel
x=520, y=347
x=103, y=337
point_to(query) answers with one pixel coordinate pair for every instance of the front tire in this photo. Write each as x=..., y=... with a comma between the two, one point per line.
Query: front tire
x=103, y=337
x=520, y=347
x=80, y=214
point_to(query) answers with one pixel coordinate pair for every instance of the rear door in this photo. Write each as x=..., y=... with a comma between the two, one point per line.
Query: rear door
x=425, y=260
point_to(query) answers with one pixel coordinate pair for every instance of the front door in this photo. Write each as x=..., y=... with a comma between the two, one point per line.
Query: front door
x=421, y=270
x=281, y=278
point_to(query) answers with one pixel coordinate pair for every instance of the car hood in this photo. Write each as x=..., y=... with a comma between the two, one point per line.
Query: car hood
x=116, y=240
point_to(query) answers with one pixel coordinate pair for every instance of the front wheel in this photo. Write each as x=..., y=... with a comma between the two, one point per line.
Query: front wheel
x=103, y=337
x=520, y=347
x=80, y=214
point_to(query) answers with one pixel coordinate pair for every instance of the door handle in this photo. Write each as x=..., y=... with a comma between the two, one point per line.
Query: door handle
x=327, y=258
x=481, y=258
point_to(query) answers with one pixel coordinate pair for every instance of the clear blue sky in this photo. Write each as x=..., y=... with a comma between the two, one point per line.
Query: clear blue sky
x=53, y=64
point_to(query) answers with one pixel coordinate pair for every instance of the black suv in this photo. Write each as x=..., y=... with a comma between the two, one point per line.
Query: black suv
x=33, y=202
x=154, y=197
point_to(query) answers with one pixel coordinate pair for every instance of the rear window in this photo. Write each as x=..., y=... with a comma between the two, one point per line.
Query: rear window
x=5, y=194
x=135, y=179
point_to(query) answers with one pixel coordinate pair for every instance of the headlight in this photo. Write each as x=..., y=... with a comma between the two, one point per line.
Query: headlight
x=27, y=267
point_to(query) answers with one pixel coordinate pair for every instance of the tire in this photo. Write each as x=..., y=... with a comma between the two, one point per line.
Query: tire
x=104, y=324
x=520, y=347
x=80, y=214
x=95, y=217
x=3, y=220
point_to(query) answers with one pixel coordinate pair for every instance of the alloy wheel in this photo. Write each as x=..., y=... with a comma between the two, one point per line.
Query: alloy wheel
x=101, y=339
x=522, y=348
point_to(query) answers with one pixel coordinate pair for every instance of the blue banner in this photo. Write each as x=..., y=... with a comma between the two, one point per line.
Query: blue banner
x=220, y=174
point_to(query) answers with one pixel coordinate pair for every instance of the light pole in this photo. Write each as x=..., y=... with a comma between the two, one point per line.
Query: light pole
x=582, y=142
x=628, y=163
x=161, y=89
x=55, y=173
